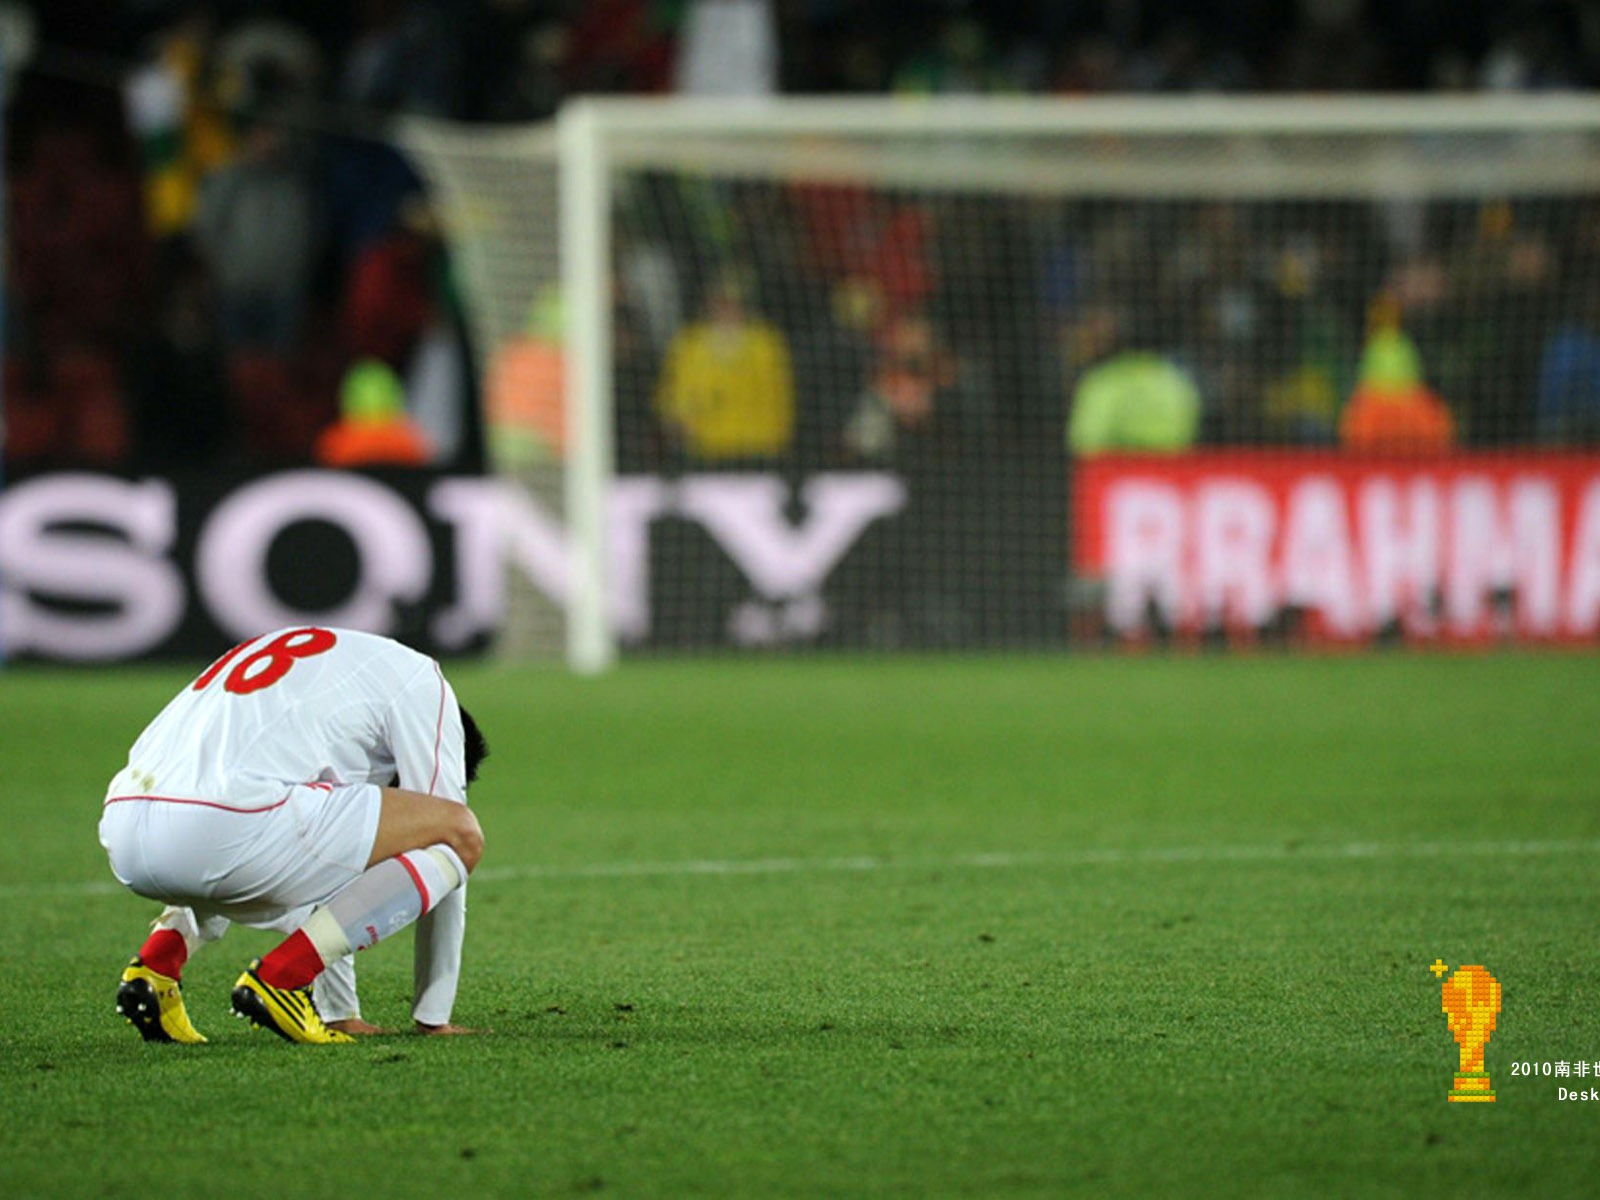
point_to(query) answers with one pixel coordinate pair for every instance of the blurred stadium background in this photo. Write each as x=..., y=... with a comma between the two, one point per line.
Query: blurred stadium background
x=915, y=326
x=1028, y=460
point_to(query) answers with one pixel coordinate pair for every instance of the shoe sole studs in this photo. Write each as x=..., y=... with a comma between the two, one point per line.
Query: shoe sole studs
x=136, y=1002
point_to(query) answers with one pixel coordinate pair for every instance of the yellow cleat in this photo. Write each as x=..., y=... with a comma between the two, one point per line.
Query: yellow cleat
x=288, y=1012
x=153, y=1004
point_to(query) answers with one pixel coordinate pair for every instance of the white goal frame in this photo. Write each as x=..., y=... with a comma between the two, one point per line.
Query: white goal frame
x=596, y=136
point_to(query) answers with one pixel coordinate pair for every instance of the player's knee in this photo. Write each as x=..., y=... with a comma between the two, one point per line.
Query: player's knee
x=466, y=837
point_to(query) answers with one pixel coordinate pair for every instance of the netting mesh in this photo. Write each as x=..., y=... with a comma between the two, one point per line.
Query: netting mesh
x=854, y=375
x=496, y=193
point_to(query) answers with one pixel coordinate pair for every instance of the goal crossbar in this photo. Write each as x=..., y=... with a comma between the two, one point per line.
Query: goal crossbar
x=1344, y=148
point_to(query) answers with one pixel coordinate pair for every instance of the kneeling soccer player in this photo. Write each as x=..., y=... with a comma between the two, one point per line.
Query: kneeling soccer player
x=256, y=797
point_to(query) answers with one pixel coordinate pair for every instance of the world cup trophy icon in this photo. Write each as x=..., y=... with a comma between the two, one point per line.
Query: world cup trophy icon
x=1472, y=1002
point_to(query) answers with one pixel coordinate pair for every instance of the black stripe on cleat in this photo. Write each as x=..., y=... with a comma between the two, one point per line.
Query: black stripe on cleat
x=249, y=1005
x=136, y=1000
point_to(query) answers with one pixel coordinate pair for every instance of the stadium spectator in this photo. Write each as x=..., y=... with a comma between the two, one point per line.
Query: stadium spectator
x=524, y=396
x=533, y=88
x=405, y=57
x=929, y=414
x=1569, y=379
x=876, y=255
x=373, y=429
x=267, y=60
x=1477, y=301
x=1392, y=410
x=1126, y=398
x=1530, y=54
x=1333, y=48
x=391, y=298
x=1216, y=314
x=1301, y=403
x=1136, y=401
x=959, y=61
x=728, y=48
x=176, y=112
x=258, y=227
x=618, y=46
x=647, y=283
x=910, y=395
x=365, y=186
x=439, y=393
x=311, y=215
x=727, y=388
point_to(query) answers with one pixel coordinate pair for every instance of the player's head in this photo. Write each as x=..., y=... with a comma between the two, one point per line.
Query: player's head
x=476, y=748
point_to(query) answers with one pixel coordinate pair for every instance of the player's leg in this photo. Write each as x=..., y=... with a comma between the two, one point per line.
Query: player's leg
x=423, y=850
x=176, y=934
x=414, y=821
x=149, y=994
x=157, y=859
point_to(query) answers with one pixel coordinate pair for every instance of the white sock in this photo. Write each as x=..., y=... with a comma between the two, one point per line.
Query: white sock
x=383, y=899
x=195, y=930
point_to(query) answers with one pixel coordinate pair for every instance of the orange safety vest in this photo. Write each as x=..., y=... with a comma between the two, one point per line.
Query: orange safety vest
x=371, y=443
x=1396, y=420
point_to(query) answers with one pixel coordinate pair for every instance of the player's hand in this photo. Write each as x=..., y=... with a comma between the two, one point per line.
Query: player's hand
x=356, y=1027
x=445, y=1030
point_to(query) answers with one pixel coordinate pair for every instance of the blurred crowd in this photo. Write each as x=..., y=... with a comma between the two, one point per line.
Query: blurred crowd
x=920, y=328
x=213, y=260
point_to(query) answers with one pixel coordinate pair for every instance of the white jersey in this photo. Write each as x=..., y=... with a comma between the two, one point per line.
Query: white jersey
x=324, y=707
x=307, y=705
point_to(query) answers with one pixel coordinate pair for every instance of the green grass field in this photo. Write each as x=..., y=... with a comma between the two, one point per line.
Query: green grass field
x=975, y=927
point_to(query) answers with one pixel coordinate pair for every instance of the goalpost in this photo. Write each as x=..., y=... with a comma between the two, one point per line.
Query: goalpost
x=821, y=371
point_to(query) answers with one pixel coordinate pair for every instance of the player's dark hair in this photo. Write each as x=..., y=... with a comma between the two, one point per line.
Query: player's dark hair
x=476, y=748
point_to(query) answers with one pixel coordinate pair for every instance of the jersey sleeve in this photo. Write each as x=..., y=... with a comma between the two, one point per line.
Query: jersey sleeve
x=437, y=958
x=430, y=756
x=425, y=737
x=335, y=991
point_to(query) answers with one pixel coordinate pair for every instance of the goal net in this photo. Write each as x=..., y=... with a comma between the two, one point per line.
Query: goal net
x=1012, y=374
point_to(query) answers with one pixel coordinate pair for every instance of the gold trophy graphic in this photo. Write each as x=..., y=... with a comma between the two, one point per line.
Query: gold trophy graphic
x=1471, y=1002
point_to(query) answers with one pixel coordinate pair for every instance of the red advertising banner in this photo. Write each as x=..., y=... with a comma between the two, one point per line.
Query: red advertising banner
x=1463, y=547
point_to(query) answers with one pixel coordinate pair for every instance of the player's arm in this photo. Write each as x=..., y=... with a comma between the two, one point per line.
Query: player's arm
x=335, y=995
x=427, y=741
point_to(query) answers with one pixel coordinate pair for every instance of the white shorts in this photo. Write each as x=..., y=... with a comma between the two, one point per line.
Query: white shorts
x=265, y=867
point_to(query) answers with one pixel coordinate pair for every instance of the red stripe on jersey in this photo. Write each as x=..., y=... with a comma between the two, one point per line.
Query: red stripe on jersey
x=438, y=731
x=198, y=803
x=416, y=878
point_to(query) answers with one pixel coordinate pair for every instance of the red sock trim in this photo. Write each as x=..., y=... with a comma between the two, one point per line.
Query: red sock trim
x=165, y=951
x=416, y=878
x=292, y=963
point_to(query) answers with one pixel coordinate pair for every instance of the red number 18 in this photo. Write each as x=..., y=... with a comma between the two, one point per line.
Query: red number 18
x=274, y=660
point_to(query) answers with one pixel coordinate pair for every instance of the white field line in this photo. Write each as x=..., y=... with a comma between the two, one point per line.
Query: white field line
x=1355, y=851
